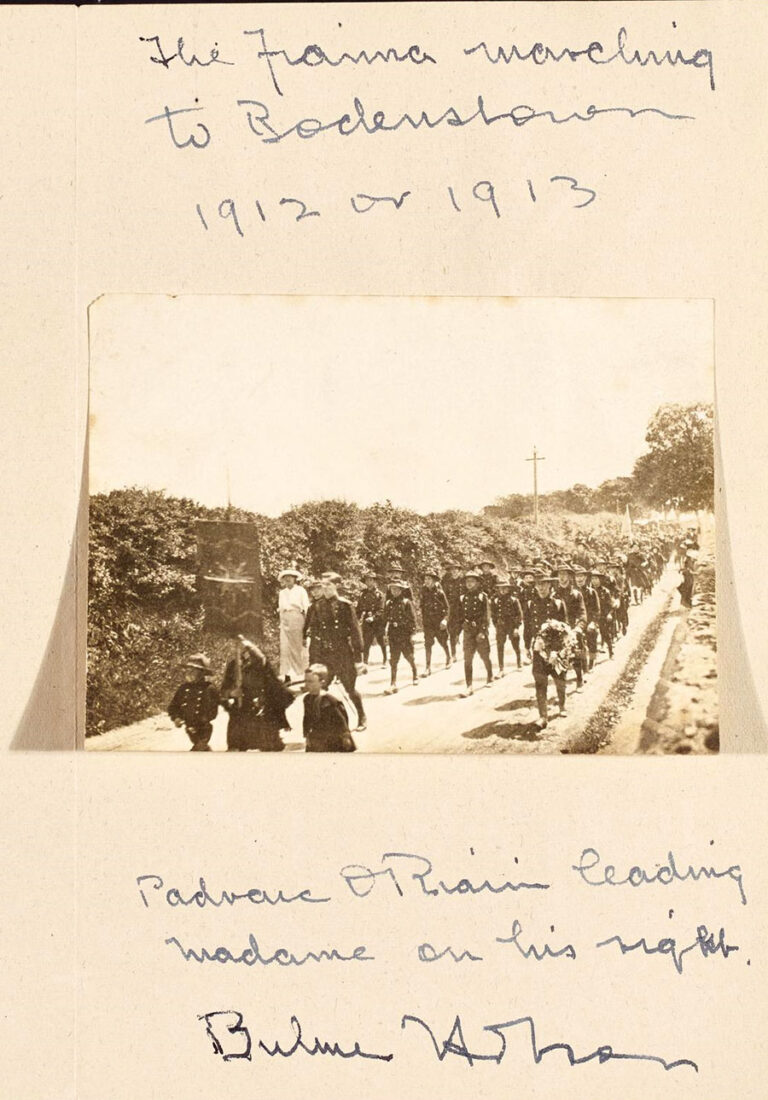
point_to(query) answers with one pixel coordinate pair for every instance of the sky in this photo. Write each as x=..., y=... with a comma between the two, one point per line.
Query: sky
x=432, y=403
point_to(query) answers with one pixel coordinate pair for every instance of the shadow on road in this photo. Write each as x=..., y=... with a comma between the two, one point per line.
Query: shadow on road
x=510, y=731
x=431, y=699
x=515, y=704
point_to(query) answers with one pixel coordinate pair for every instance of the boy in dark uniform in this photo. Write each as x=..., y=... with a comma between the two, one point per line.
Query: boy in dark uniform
x=592, y=608
x=400, y=625
x=453, y=585
x=315, y=590
x=370, y=613
x=605, y=590
x=325, y=724
x=475, y=623
x=507, y=616
x=623, y=593
x=195, y=703
x=568, y=591
x=527, y=591
x=549, y=653
x=434, y=618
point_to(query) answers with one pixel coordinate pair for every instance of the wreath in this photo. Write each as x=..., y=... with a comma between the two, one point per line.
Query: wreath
x=557, y=644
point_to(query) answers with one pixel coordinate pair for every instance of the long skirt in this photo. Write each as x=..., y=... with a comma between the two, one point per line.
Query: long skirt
x=293, y=652
x=253, y=731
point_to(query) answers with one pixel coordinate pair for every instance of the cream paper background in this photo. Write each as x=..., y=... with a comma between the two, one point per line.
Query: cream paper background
x=94, y=203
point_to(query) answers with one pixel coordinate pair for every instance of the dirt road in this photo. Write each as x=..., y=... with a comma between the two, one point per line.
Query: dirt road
x=431, y=717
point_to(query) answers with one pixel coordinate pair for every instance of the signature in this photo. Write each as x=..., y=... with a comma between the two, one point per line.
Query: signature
x=233, y=1040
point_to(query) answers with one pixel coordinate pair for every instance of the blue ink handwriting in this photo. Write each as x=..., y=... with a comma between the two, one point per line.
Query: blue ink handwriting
x=664, y=874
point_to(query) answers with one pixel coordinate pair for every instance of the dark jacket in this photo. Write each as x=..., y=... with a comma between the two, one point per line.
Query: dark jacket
x=475, y=611
x=262, y=690
x=326, y=728
x=576, y=613
x=399, y=617
x=606, y=593
x=195, y=703
x=434, y=605
x=506, y=609
x=453, y=588
x=370, y=605
x=332, y=624
x=540, y=609
x=591, y=603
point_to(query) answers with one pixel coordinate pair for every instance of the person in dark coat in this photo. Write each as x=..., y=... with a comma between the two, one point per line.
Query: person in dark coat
x=568, y=591
x=685, y=588
x=507, y=616
x=370, y=614
x=325, y=724
x=434, y=619
x=603, y=586
x=593, y=610
x=488, y=576
x=314, y=588
x=339, y=641
x=453, y=586
x=527, y=592
x=256, y=699
x=400, y=625
x=551, y=652
x=475, y=624
x=195, y=703
x=623, y=593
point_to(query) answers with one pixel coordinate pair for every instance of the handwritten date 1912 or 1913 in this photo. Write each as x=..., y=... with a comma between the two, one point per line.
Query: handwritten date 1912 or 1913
x=557, y=189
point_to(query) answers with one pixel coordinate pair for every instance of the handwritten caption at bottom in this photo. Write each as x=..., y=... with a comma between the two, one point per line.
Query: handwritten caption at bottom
x=409, y=877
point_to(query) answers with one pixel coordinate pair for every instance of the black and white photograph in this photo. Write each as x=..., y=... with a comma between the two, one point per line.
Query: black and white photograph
x=401, y=525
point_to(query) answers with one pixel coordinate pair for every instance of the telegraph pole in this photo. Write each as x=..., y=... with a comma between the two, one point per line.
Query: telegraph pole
x=535, y=459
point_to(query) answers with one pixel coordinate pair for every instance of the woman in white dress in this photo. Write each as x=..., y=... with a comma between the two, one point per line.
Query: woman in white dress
x=293, y=604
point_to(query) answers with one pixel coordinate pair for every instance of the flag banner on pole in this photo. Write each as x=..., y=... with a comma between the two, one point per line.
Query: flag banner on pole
x=229, y=577
x=626, y=524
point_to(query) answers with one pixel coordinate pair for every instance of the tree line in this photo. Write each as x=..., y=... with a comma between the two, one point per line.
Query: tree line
x=677, y=471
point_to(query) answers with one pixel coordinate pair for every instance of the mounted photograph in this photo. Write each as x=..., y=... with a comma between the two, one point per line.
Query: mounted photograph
x=401, y=525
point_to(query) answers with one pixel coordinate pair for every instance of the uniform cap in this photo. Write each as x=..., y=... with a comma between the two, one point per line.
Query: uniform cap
x=432, y=573
x=199, y=661
x=472, y=574
x=331, y=577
